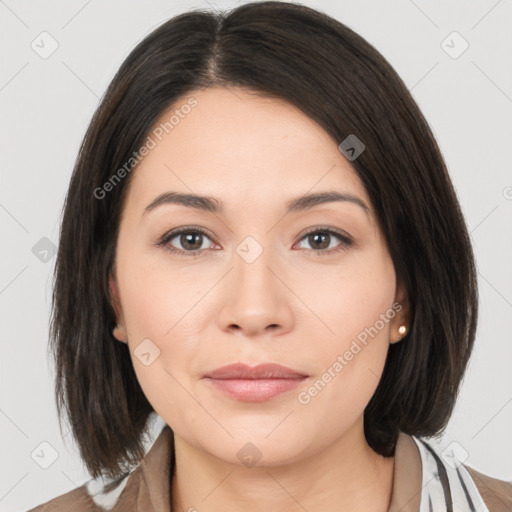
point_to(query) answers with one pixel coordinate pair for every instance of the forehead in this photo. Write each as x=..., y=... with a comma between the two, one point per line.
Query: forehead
x=239, y=146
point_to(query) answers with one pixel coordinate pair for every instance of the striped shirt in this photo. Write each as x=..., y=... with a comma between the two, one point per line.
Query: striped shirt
x=446, y=483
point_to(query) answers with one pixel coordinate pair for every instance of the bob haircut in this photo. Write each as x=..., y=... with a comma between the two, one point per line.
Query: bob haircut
x=333, y=75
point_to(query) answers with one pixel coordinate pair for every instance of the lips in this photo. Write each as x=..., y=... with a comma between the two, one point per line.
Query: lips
x=262, y=371
x=263, y=382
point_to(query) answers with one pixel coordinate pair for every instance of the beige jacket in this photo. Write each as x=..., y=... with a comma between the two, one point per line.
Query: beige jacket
x=423, y=482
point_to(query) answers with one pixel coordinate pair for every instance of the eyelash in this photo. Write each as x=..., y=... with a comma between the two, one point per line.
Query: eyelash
x=346, y=241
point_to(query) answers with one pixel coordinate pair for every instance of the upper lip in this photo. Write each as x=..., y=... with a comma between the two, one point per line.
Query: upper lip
x=261, y=371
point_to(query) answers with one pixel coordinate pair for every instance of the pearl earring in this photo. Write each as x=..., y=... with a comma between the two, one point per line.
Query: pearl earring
x=402, y=330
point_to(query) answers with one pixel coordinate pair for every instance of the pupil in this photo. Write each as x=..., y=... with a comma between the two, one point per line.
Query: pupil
x=188, y=237
x=316, y=236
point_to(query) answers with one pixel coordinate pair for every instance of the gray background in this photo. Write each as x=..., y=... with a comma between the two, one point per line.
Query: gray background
x=46, y=105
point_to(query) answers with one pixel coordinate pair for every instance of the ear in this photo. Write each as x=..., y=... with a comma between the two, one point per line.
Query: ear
x=119, y=331
x=402, y=314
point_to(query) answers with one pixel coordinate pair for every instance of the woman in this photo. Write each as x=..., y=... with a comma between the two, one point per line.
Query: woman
x=265, y=293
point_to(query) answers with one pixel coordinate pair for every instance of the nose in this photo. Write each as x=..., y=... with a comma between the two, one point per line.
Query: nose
x=256, y=300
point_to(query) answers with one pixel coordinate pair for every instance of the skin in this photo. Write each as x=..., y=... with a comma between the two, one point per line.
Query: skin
x=290, y=306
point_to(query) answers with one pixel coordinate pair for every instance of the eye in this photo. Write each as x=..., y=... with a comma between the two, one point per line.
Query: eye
x=320, y=239
x=190, y=239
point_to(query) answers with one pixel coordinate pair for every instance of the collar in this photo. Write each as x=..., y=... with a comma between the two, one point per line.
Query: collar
x=407, y=476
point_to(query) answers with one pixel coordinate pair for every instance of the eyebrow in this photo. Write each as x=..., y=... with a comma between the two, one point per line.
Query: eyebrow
x=213, y=205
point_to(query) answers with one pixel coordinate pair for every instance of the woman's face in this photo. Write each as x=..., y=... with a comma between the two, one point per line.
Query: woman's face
x=257, y=287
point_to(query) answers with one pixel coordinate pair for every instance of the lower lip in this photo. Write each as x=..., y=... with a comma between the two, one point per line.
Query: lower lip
x=254, y=390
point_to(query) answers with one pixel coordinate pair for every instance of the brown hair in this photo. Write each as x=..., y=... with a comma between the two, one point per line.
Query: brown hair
x=335, y=77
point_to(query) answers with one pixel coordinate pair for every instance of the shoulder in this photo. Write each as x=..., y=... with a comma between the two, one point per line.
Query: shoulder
x=497, y=494
x=136, y=489
x=95, y=495
x=77, y=500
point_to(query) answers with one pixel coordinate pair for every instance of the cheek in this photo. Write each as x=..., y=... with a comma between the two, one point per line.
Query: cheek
x=350, y=299
x=159, y=306
x=356, y=308
x=158, y=298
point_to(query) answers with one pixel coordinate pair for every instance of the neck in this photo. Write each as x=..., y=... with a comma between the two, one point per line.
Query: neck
x=347, y=475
